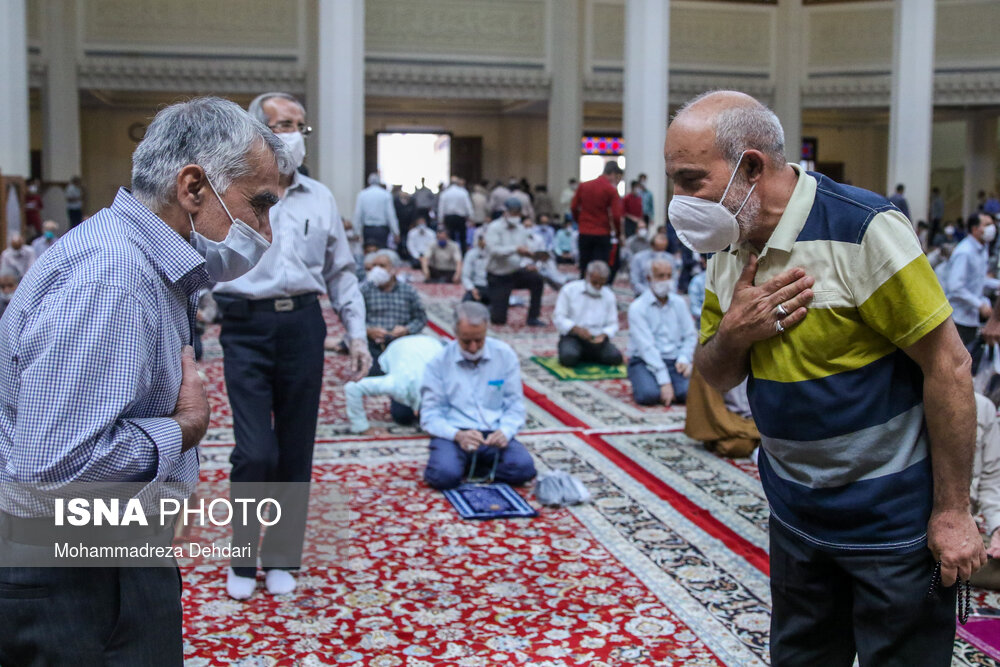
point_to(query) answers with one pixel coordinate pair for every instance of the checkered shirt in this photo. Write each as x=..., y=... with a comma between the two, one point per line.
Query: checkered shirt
x=90, y=360
x=400, y=305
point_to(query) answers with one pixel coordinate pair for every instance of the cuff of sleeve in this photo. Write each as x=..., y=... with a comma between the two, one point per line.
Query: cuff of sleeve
x=509, y=433
x=165, y=434
x=992, y=521
x=662, y=377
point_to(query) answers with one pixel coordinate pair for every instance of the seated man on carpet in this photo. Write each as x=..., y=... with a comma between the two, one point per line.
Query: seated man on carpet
x=419, y=240
x=542, y=258
x=722, y=422
x=403, y=362
x=564, y=244
x=442, y=262
x=985, y=490
x=638, y=267
x=586, y=317
x=661, y=340
x=507, y=247
x=392, y=310
x=474, y=271
x=472, y=405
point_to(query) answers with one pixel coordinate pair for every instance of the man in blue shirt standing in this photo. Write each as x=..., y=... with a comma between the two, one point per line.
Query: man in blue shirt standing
x=472, y=405
x=99, y=384
x=966, y=277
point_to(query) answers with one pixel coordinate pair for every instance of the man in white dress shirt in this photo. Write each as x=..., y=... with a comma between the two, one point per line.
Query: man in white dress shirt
x=375, y=213
x=455, y=210
x=17, y=259
x=474, y=271
x=419, y=241
x=272, y=337
x=586, y=317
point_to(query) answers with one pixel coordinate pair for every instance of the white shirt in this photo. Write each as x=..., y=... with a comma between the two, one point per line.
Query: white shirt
x=454, y=200
x=498, y=197
x=17, y=262
x=374, y=208
x=41, y=244
x=659, y=331
x=474, y=268
x=309, y=253
x=985, y=491
x=480, y=211
x=575, y=307
x=418, y=240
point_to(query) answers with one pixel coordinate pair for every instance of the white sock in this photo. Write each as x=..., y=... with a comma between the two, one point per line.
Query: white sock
x=280, y=582
x=240, y=588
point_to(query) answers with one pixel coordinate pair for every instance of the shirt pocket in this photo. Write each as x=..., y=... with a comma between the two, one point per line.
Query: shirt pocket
x=309, y=236
x=494, y=394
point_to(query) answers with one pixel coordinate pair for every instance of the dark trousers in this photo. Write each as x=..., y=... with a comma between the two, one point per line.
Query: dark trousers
x=401, y=413
x=115, y=616
x=591, y=247
x=645, y=388
x=449, y=463
x=484, y=295
x=274, y=373
x=377, y=234
x=440, y=275
x=826, y=608
x=500, y=288
x=455, y=224
x=967, y=334
x=573, y=350
x=75, y=216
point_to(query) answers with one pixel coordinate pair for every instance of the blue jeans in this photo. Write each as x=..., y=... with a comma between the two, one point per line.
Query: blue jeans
x=449, y=463
x=645, y=388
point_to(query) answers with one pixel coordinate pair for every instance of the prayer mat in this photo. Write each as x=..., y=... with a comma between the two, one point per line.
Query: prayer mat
x=984, y=633
x=488, y=501
x=581, y=371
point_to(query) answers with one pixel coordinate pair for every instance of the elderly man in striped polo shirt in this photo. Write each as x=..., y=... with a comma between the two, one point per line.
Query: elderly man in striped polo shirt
x=858, y=382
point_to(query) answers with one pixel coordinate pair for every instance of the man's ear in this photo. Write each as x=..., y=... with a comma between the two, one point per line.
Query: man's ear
x=191, y=184
x=755, y=163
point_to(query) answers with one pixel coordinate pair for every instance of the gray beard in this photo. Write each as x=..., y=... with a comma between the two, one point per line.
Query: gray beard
x=747, y=217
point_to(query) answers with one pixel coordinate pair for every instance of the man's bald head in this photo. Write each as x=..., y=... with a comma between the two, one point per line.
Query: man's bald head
x=734, y=122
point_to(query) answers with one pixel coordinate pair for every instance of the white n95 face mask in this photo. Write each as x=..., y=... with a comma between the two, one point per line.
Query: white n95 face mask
x=471, y=356
x=662, y=288
x=989, y=234
x=378, y=276
x=296, y=145
x=234, y=255
x=707, y=226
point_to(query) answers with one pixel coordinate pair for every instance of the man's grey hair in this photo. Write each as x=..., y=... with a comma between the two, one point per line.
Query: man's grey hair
x=211, y=132
x=660, y=259
x=384, y=252
x=600, y=268
x=471, y=312
x=745, y=127
x=373, y=179
x=256, y=108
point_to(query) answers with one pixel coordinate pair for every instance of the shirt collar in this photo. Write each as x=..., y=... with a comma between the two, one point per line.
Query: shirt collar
x=298, y=183
x=792, y=220
x=486, y=353
x=171, y=253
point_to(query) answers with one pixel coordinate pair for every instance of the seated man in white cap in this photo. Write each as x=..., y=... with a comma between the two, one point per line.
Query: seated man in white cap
x=403, y=362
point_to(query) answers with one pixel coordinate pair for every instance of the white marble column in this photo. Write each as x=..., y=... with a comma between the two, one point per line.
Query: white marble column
x=15, y=156
x=789, y=71
x=60, y=96
x=566, y=101
x=911, y=109
x=339, y=112
x=980, y=157
x=647, y=68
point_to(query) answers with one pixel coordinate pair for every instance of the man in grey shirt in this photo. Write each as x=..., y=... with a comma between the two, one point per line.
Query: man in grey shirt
x=507, y=249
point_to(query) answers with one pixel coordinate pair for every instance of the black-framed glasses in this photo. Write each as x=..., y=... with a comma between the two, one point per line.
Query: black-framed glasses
x=289, y=126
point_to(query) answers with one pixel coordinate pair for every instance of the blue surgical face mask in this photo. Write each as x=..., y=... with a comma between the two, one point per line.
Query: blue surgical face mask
x=49, y=234
x=234, y=255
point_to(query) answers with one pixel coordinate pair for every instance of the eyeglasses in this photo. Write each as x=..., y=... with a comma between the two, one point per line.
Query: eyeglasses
x=289, y=126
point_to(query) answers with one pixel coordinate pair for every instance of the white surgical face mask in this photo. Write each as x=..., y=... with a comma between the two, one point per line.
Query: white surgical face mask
x=949, y=230
x=234, y=255
x=591, y=290
x=989, y=234
x=471, y=356
x=296, y=145
x=662, y=288
x=707, y=226
x=378, y=276
x=513, y=220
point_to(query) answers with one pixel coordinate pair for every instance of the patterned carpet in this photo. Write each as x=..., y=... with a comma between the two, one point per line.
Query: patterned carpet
x=666, y=566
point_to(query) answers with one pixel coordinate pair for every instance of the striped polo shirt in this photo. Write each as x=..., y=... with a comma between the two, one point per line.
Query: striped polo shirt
x=844, y=458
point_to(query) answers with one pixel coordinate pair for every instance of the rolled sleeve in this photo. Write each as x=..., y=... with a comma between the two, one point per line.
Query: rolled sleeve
x=342, y=280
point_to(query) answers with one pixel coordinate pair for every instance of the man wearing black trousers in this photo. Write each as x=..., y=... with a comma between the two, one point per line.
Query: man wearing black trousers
x=507, y=249
x=599, y=212
x=272, y=337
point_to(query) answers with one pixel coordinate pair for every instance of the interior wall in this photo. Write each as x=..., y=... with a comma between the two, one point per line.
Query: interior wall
x=864, y=150
x=107, y=151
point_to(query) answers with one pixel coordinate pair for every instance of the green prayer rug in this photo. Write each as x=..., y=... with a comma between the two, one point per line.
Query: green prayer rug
x=581, y=371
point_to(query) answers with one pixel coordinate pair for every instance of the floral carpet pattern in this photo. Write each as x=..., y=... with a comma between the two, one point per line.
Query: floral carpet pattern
x=667, y=565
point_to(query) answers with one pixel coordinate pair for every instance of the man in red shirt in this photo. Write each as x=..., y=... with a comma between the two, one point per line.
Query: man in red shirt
x=633, y=210
x=598, y=210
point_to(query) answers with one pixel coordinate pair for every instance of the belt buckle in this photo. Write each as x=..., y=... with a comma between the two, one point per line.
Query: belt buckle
x=284, y=305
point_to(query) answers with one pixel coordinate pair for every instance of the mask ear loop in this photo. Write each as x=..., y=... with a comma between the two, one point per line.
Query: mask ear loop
x=729, y=185
x=224, y=207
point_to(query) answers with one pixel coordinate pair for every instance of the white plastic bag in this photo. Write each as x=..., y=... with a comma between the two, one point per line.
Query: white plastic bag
x=560, y=488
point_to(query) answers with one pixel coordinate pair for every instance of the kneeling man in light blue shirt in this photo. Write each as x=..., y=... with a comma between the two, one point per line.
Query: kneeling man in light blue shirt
x=472, y=405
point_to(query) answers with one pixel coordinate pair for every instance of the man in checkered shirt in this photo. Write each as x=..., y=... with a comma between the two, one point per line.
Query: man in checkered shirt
x=392, y=310
x=99, y=384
